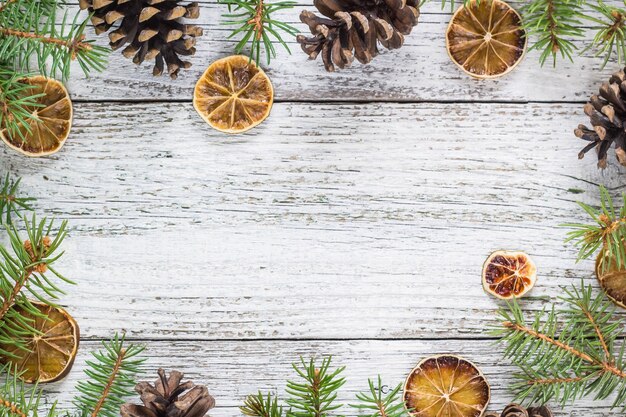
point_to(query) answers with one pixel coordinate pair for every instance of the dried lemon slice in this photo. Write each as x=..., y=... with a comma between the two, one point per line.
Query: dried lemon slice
x=486, y=39
x=48, y=130
x=446, y=385
x=508, y=274
x=50, y=353
x=233, y=95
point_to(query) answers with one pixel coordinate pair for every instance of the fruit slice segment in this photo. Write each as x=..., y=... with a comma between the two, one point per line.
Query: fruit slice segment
x=485, y=38
x=50, y=354
x=233, y=95
x=446, y=386
x=50, y=127
x=508, y=274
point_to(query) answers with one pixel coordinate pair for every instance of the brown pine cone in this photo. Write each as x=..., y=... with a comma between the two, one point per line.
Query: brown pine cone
x=607, y=114
x=353, y=28
x=168, y=397
x=516, y=410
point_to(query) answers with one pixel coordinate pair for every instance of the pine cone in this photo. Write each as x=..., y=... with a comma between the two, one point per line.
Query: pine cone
x=353, y=28
x=516, y=410
x=166, y=399
x=151, y=28
x=607, y=112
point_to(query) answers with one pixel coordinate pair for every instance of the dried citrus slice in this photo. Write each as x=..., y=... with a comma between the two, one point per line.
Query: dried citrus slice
x=233, y=95
x=48, y=130
x=485, y=38
x=51, y=352
x=446, y=386
x=612, y=280
x=508, y=274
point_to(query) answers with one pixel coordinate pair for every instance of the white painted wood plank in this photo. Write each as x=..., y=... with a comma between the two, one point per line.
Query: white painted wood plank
x=323, y=218
x=233, y=369
x=420, y=70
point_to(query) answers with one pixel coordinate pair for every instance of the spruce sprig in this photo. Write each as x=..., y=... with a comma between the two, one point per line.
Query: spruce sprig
x=18, y=400
x=255, y=24
x=16, y=101
x=314, y=394
x=34, y=30
x=566, y=355
x=11, y=203
x=111, y=378
x=261, y=406
x=27, y=270
x=607, y=232
x=375, y=404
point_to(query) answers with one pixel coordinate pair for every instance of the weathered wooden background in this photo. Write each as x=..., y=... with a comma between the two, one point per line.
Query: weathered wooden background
x=353, y=222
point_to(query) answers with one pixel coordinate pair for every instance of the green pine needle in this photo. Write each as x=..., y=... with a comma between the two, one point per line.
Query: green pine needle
x=18, y=400
x=256, y=27
x=111, y=379
x=566, y=355
x=32, y=30
x=606, y=233
x=261, y=406
x=10, y=202
x=27, y=271
x=314, y=394
x=375, y=404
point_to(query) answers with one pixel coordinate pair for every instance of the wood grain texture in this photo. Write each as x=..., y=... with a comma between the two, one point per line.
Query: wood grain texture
x=420, y=71
x=233, y=369
x=324, y=218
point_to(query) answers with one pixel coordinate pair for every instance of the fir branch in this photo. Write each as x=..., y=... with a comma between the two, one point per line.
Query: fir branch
x=31, y=30
x=607, y=233
x=111, y=379
x=27, y=268
x=577, y=362
x=17, y=400
x=315, y=393
x=16, y=103
x=260, y=406
x=374, y=404
x=555, y=23
x=10, y=202
x=610, y=36
x=255, y=23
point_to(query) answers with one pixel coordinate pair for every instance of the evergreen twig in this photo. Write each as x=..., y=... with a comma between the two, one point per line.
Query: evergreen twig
x=16, y=102
x=10, y=202
x=17, y=400
x=261, y=406
x=314, y=394
x=579, y=360
x=375, y=404
x=254, y=21
x=27, y=268
x=111, y=379
x=607, y=232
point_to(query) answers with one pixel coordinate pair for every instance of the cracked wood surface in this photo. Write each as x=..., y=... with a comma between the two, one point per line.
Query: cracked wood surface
x=353, y=222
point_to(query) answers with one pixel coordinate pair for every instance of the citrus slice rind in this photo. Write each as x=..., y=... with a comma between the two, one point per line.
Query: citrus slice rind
x=612, y=280
x=50, y=353
x=233, y=95
x=508, y=274
x=486, y=38
x=48, y=131
x=446, y=385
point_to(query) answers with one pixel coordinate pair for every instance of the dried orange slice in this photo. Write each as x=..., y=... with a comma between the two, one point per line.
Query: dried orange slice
x=50, y=353
x=446, y=386
x=48, y=130
x=508, y=274
x=612, y=280
x=486, y=39
x=233, y=95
